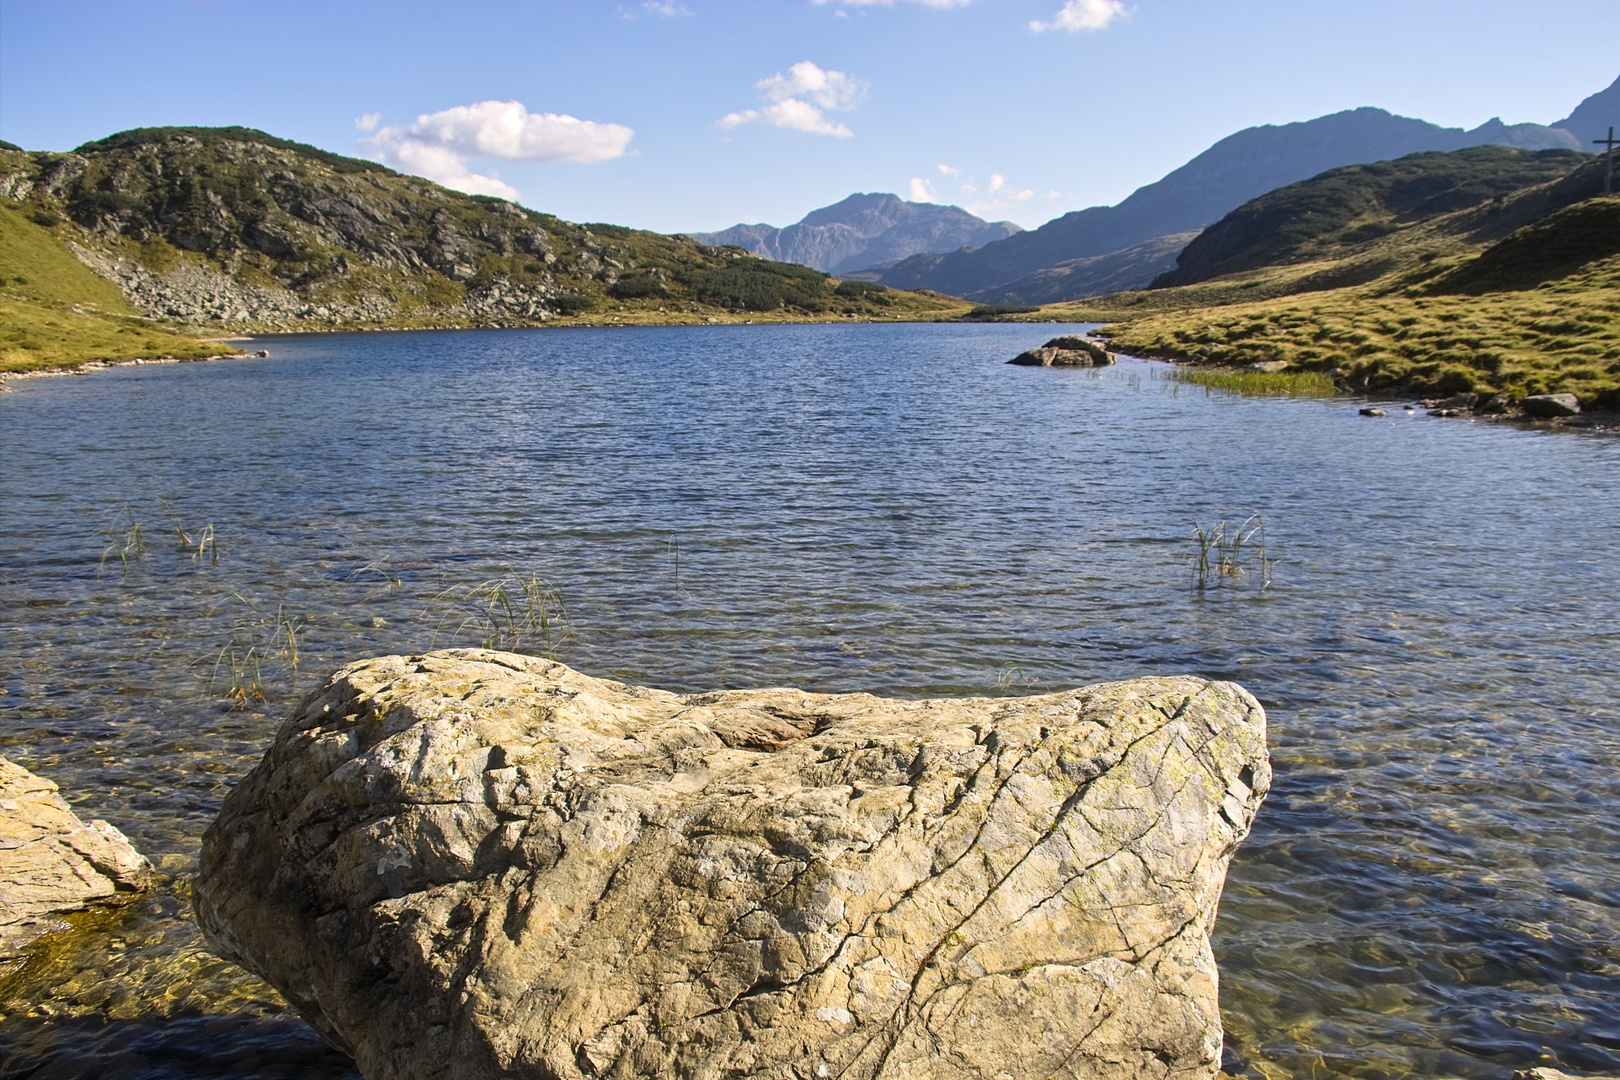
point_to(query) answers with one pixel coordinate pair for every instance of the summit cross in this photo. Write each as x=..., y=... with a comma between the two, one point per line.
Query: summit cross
x=1608, y=159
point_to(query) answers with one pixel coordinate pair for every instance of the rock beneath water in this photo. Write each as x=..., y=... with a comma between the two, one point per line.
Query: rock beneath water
x=51, y=862
x=1066, y=351
x=474, y=864
x=1551, y=405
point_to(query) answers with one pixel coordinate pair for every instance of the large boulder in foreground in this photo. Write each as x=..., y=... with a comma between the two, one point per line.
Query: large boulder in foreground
x=477, y=864
x=51, y=862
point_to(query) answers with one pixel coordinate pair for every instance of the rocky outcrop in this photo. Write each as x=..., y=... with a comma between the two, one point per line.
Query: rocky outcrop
x=1066, y=351
x=1547, y=406
x=473, y=864
x=51, y=862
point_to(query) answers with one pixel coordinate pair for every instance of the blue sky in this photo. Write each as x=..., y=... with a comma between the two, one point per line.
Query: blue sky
x=693, y=115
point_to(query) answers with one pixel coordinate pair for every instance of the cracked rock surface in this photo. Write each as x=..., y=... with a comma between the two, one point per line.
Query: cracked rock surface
x=51, y=862
x=474, y=864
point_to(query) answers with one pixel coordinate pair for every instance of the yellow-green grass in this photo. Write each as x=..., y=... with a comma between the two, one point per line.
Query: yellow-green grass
x=55, y=312
x=1257, y=383
x=1563, y=336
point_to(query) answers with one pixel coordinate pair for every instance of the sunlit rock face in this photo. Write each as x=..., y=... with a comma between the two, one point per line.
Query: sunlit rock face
x=478, y=864
x=52, y=863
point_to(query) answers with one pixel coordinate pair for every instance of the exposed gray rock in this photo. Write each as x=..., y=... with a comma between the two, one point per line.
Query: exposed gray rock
x=1372, y=411
x=1542, y=1072
x=472, y=864
x=1066, y=351
x=1269, y=367
x=1547, y=406
x=51, y=862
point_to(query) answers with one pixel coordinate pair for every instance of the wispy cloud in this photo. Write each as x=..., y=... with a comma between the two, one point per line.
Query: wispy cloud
x=798, y=99
x=891, y=3
x=996, y=196
x=664, y=9
x=367, y=121
x=1077, y=16
x=439, y=145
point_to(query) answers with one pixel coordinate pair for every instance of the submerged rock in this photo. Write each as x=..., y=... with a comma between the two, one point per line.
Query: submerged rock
x=476, y=864
x=1066, y=351
x=51, y=862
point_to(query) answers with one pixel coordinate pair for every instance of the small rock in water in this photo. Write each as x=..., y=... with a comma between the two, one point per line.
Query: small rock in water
x=1370, y=411
x=262, y=353
x=1543, y=1072
x=51, y=862
x=1068, y=350
x=478, y=864
x=1547, y=406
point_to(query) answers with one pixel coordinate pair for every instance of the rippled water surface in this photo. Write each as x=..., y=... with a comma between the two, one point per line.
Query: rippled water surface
x=1432, y=889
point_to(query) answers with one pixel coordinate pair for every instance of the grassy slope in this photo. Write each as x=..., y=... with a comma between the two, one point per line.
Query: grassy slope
x=1435, y=307
x=54, y=312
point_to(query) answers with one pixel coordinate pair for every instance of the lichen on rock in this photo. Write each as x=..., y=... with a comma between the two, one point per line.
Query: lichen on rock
x=476, y=864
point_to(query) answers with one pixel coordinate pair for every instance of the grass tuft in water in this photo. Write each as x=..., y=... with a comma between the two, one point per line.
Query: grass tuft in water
x=1225, y=553
x=126, y=544
x=512, y=613
x=203, y=545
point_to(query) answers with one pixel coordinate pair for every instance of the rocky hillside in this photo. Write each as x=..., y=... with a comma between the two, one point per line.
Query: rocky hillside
x=235, y=229
x=864, y=231
x=1228, y=174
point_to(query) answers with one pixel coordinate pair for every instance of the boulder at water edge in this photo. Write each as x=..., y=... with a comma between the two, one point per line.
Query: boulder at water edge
x=472, y=864
x=51, y=862
x=1066, y=351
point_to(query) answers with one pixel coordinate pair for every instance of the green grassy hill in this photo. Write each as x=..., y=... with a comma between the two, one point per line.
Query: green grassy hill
x=1347, y=212
x=1516, y=295
x=55, y=312
x=230, y=230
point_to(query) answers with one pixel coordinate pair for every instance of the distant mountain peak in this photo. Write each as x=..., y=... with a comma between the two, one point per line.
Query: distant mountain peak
x=864, y=230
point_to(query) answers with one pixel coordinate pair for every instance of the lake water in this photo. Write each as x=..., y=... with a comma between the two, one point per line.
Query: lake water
x=1432, y=889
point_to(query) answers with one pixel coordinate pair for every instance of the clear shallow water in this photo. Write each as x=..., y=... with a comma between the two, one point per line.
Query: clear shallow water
x=1432, y=889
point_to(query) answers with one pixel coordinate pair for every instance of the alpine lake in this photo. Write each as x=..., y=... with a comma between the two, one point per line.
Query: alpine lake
x=1428, y=609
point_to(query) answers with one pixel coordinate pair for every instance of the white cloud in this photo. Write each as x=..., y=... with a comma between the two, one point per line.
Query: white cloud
x=439, y=144
x=446, y=167
x=997, y=182
x=368, y=121
x=947, y=170
x=922, y=191
x=789, y=107
x=666, y=8
x=1077, y=16
x=828, y=89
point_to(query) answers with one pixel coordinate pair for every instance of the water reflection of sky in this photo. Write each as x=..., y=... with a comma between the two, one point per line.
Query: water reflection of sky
x=1430, y=889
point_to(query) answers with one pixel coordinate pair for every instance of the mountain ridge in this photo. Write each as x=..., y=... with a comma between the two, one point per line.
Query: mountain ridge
x=861, y=231
x=1237, y=168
